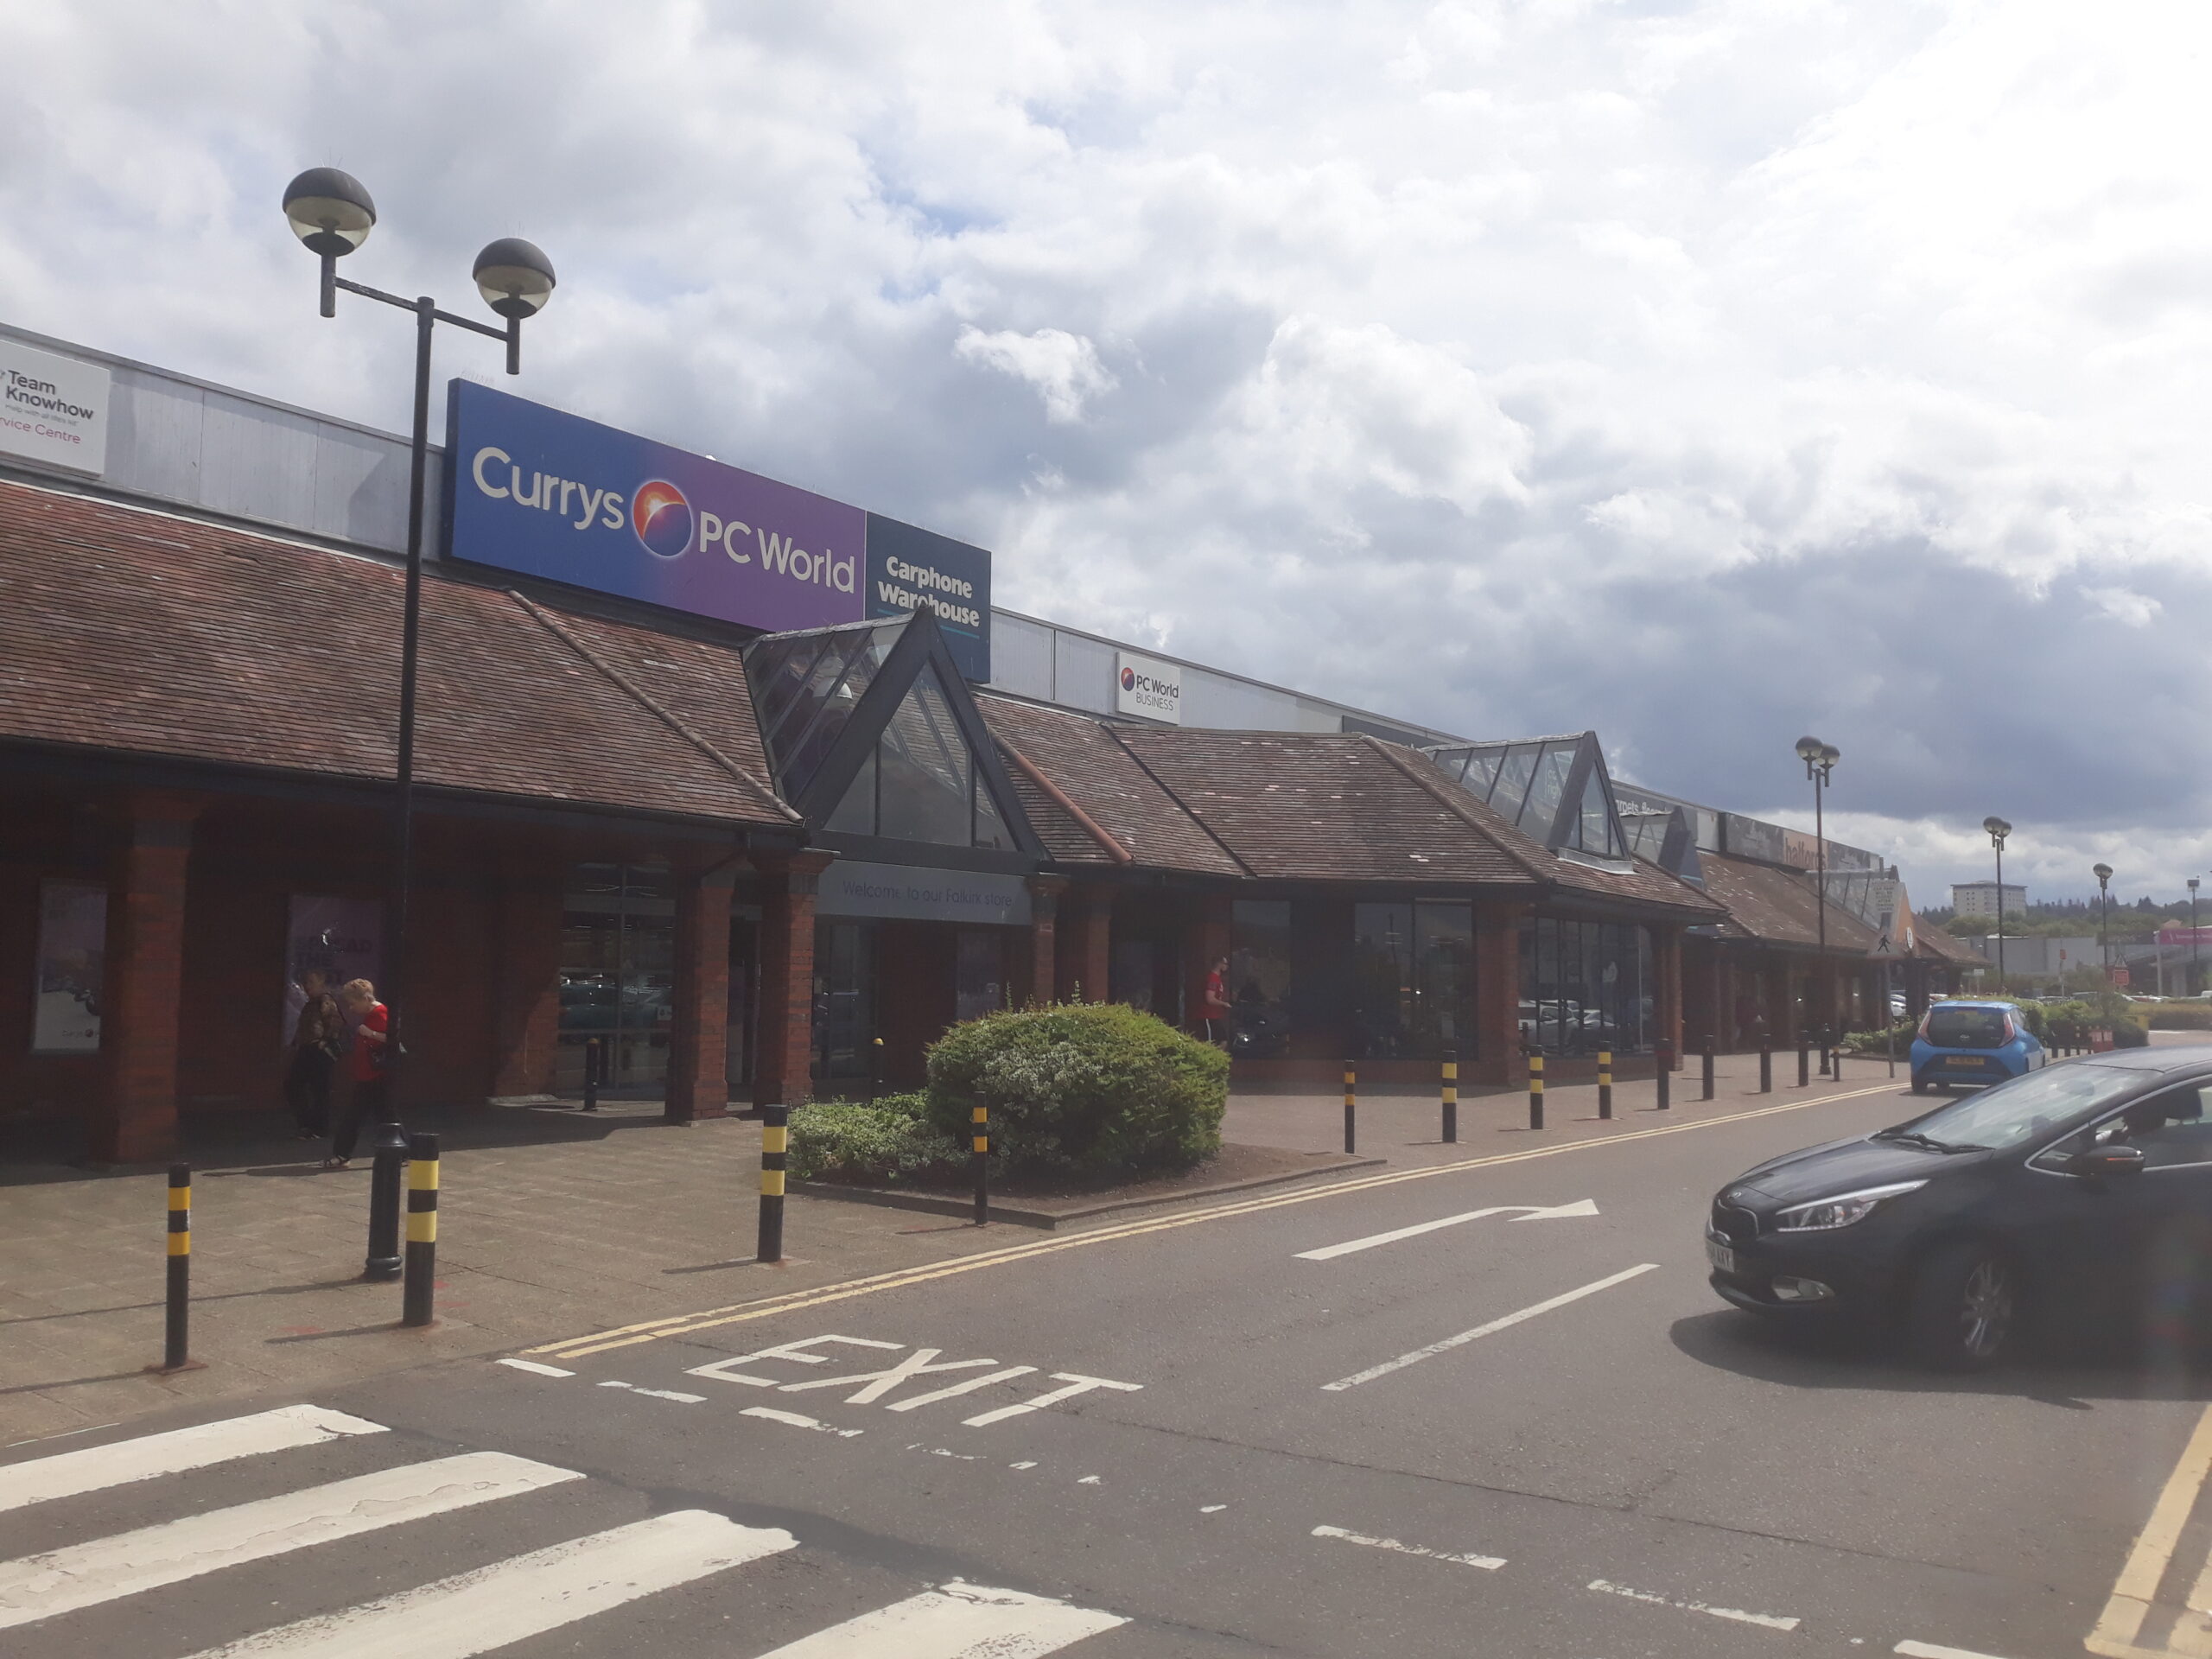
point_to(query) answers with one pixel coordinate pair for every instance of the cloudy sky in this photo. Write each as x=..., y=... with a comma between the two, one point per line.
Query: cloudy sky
x=1704, y=373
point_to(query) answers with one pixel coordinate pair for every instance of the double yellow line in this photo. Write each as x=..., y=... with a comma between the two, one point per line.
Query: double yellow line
x=629, y=1335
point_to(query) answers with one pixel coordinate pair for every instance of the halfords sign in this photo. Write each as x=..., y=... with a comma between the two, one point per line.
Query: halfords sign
x=52, y=409
x=530, y=489
x=1143, y=686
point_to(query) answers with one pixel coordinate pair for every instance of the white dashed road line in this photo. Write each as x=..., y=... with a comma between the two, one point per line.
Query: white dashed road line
x=658, y=1393
x=1488, y=1563
x=1465, y=1337
x=1929, y=1650
x=535, y=1368
x=1766, y=1621
x=799, y=1420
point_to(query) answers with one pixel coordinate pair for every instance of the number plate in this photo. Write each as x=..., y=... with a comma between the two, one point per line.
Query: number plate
x=1960, y=1059
x=1722, y=1258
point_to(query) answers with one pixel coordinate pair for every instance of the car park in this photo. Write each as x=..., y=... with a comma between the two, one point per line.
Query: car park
x=2067, y=1195
x=1961, y=1041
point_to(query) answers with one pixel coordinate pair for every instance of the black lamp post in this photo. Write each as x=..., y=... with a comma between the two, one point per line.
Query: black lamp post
x=2196, y=983
x=1998, y=831
x=332, y=215
x=2103, y=873
x=1819, y=760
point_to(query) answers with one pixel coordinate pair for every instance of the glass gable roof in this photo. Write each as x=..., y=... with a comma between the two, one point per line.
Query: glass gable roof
x=1553, y=788
x=805, y=686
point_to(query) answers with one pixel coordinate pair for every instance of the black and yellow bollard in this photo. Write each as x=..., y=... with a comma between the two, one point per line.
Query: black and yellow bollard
x=1450, y=1096
x=591, y=1051
x=1705, y=1054
x=979, y=1117
x=775, y=1142
x=1536, y=1088
x=1352, y=1107
x=1605, y=1082
x=1766, y=1067
x=1666, y=1078
x=1804, y=1064
x=176, y=1346
x=418, y=1296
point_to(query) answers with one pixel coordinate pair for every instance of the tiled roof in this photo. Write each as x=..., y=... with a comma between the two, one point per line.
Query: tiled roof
x=155, y=635
x=1321, y=806
x=1941, y=944
x=1777, y=906
x=1096, y=773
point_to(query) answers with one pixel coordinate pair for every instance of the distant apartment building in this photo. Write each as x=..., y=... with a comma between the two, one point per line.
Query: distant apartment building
x=1979, y=899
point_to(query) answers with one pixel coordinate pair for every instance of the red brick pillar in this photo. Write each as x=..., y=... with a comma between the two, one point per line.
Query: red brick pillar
x=1666, y=998
x=698, y=1036
x=785, y=1046
x=1497, y=1059
x=1087, y=963
x=136, y=1121
x=526, y=984
x=1044, y=892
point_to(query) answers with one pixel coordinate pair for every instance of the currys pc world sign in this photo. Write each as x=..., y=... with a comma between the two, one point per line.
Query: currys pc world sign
x=548, y=494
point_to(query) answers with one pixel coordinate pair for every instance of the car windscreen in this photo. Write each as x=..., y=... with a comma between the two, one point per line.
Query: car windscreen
x=2026, y=1106
x=1966, y=1027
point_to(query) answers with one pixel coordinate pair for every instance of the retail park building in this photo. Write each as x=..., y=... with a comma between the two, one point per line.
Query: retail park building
x=760, y=790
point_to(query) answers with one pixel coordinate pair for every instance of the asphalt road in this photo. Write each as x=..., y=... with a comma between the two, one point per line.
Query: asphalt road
x=1234, y=1464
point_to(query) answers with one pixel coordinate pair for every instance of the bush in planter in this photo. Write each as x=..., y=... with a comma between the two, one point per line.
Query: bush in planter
x=1081, y=1088
x=889, y=1142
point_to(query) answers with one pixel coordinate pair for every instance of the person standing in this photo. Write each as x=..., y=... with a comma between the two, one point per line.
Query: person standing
x=371, y=1020
x=1213, y=1008
x=318, y=1038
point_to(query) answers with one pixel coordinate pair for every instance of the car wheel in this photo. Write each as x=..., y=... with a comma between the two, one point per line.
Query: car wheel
x=1965, y=1311
x=1918, y=1087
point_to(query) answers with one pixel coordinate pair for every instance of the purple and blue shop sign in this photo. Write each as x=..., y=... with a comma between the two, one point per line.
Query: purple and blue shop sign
x=548, y=494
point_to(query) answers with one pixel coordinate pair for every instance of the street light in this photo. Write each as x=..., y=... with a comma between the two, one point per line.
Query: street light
x=2195, y=982
x=1998, y=831
x=2103, y=873
x=1819, y=760
x=332, y=215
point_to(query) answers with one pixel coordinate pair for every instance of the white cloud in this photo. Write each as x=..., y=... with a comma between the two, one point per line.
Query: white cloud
x=1062, y=368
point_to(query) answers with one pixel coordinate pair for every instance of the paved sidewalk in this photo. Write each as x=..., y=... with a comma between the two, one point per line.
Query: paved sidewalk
x=552, y=1224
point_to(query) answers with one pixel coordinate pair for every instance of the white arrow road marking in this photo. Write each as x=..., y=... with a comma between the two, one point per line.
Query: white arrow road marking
x=1465, y=1337
x=800, y=1420
x=1929, y=1650
x=83, y=1576
x=1528, y=1212
x=1769, y=1621
x=1488, y=1563
x=94, y=1468
x=959, y=1621
x=507, y=1601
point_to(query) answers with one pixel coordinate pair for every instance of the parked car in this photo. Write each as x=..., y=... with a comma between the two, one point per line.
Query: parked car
x=1979, y=1042
x=2065, y=1195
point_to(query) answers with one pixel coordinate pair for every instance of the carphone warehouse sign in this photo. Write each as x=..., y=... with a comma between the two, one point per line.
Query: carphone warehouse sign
x=533, y=490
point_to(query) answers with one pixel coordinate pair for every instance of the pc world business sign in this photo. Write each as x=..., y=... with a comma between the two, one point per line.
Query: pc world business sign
x=548, y=494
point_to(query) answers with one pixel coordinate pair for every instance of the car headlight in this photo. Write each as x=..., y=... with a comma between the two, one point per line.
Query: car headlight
x=1840, y=1211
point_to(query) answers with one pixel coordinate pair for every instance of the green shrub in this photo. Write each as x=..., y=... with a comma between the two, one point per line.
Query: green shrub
x=2181, y=1016
x=888, y=1142
x=1877, y=1043
x=1087, y=1089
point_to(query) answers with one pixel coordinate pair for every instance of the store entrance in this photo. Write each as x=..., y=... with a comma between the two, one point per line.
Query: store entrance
x=844, y=1003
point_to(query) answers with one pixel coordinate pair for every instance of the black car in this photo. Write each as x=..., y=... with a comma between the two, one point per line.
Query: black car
x=2077, y=1191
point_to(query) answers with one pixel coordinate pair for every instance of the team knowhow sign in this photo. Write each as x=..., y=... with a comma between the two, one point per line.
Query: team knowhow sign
x=52, y=409
x=1145, y=686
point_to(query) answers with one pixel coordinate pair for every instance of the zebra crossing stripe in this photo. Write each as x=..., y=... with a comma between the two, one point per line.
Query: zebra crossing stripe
x=478, y=1612
x=94, y=1468
x=83, y=1575
x=958, y=1621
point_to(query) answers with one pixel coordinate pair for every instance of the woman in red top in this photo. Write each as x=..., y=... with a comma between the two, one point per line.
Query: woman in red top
x=371, y=1020
x=1213, y=1008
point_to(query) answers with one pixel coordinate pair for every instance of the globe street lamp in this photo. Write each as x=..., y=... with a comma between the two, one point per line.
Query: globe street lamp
x=332, y=215
x=1819, y=760
x=1998, y=831
x=2103, y=873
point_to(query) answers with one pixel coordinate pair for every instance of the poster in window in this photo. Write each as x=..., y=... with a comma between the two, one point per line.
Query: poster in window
x=71, y=967
x=339, y=938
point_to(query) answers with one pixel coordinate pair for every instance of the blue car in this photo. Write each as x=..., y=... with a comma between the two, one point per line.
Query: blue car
x=1972, y=1042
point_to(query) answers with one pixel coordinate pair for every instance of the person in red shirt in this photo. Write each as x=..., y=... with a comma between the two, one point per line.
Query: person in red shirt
x=370, y=1021
x=1213, y=1008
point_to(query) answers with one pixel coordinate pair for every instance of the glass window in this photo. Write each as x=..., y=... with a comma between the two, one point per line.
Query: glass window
x=1547, y=788
x=979, y=974
x=844, y=999
x=1592, y=830
x=1482, y=770
x=1967, y=1028
x=805, y=687
x=855, y=814
x=1383, y=979
x=1260, y=978
x=618, y=974
x=925, y=785
x=1515, y=768
x=990, y=824
x=1444, y=978
x=71, y=967
x=1412, y=980
x=1586, y=986
x=1134, y=973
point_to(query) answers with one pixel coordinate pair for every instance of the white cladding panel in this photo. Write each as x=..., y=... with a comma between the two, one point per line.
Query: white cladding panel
x=1083, y=673
x=154, y=438
x=1021, y=657
x=257, y=462
x=1216, y=700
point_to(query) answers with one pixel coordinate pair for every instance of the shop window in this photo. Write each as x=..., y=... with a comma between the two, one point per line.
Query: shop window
x=805, y=687
x=617, y=974
x=1133, y=972
x=1586, y=986
x=979, y=985
x=1413, y=969
x=921, y=782
x=71, y=967
x=1260, y=1019
x=844, y=999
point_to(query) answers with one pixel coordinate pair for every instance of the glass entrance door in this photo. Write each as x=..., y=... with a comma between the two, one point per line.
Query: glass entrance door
x=618, y=973
x=844, y=999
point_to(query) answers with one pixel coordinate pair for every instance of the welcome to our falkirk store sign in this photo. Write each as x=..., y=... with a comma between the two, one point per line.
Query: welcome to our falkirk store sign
x=531, y=489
